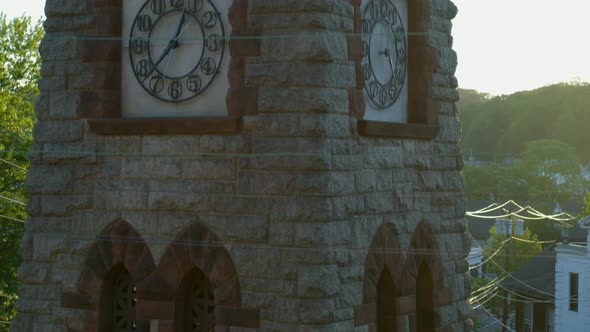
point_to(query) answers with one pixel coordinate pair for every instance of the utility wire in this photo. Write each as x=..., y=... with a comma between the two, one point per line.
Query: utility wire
x=11, y=218
x=13, y=164
x=12, y=200
x=510, y=275
x=494, y=318
x=492, y=256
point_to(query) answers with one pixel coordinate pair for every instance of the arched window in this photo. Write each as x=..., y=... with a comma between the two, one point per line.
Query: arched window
x=195, y=304
x=424, y=300
x=118, y=302
x=386, y=303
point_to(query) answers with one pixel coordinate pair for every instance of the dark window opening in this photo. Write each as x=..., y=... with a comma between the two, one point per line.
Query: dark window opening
x=573, y=292
x=424, y=300
x=118, y=302
x=386, y=321
x=196, y=303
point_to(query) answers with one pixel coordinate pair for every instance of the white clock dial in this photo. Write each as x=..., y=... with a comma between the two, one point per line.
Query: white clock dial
x=385, y=61
x=175, y=58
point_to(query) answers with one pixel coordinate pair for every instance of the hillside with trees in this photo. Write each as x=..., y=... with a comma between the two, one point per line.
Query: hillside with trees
x=528, y=146
x=495, y=128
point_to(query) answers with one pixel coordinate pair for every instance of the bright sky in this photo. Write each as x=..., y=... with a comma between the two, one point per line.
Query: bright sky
x=503, y=45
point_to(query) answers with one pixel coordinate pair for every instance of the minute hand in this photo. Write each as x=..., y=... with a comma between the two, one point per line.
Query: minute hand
x=171, y=45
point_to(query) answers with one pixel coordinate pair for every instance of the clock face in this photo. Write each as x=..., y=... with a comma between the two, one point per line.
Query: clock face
x=176, y=48
x=385, y=59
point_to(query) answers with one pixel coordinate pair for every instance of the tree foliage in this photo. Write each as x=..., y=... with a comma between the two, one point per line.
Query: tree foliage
x=19, y=72
x=520, y=252
x=497, y=127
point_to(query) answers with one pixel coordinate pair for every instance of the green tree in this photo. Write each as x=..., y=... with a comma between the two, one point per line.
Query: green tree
x=550, y=157
x=586, y=207
x=19, y=72
x=497, y=127
x=520, y=253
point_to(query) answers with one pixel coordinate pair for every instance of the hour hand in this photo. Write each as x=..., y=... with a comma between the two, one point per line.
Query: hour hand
x=387, y=53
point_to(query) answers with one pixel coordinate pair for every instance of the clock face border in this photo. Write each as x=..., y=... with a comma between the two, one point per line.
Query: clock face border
x=384, y=13
x=191, y=80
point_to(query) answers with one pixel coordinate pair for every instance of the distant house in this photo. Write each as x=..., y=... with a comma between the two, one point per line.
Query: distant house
x=572, y=284
x=532, y=288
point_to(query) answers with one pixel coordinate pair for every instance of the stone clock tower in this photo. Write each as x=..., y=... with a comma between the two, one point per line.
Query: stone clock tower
x=246, y=165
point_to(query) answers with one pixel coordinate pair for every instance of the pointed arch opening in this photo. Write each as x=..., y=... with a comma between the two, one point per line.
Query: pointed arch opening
x=115, y=264
x=386, y=311
x=383, y=273
x=118, y=302
x=425, y=321
x=195, y=303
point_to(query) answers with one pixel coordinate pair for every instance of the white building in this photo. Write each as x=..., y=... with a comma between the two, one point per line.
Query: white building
x=475, y=258
x=572, y=284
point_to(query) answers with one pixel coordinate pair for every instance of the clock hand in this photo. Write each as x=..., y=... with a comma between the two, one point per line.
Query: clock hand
x=179, y=27
x=391, y=66
x=387, y=54
x=160, y=59
x=171, y=45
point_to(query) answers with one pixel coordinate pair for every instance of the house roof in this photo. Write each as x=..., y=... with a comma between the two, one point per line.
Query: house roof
x=536, y=278
x=479, y=228
x=584, y=222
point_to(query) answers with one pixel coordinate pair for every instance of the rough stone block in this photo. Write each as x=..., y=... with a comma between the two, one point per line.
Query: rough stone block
x=317, y=281
x=50, y=179
x=150, y=167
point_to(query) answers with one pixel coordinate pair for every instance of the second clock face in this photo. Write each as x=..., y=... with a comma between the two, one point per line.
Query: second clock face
x=176, y=48
x=385, y=59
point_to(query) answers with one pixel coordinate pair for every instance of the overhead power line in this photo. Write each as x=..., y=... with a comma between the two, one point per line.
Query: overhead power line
x=12, y=200
x=13, y=164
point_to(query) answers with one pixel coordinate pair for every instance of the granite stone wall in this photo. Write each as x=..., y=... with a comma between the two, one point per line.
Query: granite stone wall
x=285, y=207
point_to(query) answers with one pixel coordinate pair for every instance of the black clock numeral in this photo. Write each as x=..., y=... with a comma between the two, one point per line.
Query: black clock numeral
x=373, y=89
x=392, y=17
x=374, y=11
x=209, y=67
x=195, y=5
x=399, y=77
x=176, y=3
x=193, y=84
x=156, y=84
x=144, y=23
x=392, y=89
x=214, y=43
x=385, y=10
x=367, y=72
x=175, y=90
x=139, y=46
x=399, y=34
x=158, y=7
x=142, y=68
x=401, y=56
x=209, y=19
x=367, y=26
x=383, y=96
